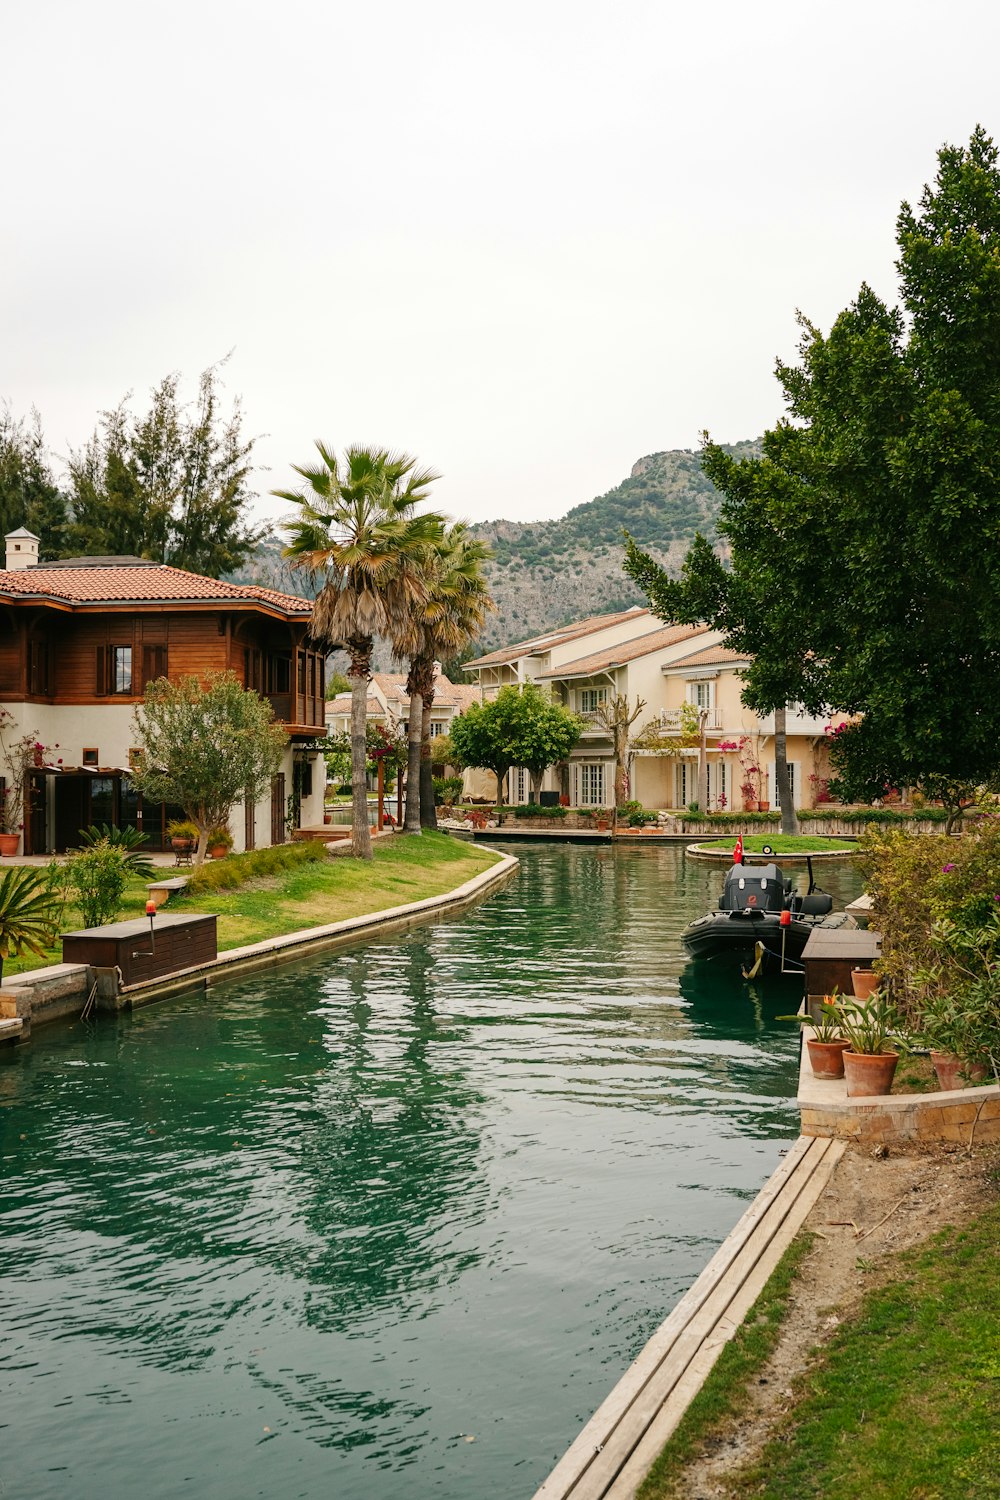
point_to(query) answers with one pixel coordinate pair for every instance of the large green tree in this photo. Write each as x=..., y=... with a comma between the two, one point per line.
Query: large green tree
x=172, y=485
x=865, y=541
x=519, y=727
x=358, y=534
x=206, y=746
x=29, y=494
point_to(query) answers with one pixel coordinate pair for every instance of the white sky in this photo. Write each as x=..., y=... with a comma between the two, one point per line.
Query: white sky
x=526, y=242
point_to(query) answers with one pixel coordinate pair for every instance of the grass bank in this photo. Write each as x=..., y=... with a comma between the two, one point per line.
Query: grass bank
x=403, y=869
x=901, y=1402
x=783, y=843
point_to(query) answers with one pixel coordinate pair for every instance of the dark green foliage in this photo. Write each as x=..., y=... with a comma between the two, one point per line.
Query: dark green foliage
x=229, y=874
x=172, y=486
x=535, y=810
x=28, y=910
x=866, y=565
x=99, y=875
x=520, y=727
x=128, y=841
x=29, y=495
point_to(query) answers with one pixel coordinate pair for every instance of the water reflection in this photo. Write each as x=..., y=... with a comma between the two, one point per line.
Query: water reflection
x=317, y=1228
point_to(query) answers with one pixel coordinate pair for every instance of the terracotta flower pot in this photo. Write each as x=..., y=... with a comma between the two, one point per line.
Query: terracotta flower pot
x=953, y=1072
x=869, y=1072
x=763, y=807
x=602, y=825
x=750, y=805
x=865, y=982
x=827, y=1058
x=8, y=843
x=218, y=851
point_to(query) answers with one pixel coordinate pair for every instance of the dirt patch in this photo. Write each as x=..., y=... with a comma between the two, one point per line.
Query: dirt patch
x=875, y=1205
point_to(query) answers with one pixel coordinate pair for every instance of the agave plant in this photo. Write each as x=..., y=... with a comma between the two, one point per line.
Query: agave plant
x=127, y=841
x=27, y=914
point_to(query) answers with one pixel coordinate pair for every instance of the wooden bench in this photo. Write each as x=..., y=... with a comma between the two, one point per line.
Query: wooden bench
x=160, y=891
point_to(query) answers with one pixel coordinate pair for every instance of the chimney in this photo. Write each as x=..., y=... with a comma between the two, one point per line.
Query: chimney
x=22, y=550
x=437, y=669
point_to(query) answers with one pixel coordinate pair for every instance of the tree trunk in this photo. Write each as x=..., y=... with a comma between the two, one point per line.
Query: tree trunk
x=782, y=785
x=702, y=797
x=500, y=776
x=359, y=673
x=621, y=771
x=428, y=810
x=202, y=849
x=411, y=823
x=537, y=777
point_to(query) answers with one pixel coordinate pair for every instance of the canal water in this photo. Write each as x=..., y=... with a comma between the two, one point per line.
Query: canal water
x=387, y=1224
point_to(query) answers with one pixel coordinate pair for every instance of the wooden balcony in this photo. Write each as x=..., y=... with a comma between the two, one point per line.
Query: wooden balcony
x=301, y=713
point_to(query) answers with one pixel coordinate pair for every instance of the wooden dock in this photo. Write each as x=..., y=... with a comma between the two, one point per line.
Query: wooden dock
x=614, y=1452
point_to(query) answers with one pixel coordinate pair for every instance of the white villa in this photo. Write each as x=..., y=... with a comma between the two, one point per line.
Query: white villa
x=634, y=654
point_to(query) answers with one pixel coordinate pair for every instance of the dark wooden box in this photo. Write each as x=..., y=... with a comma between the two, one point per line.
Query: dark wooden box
x=180, y=943
x=831, y=954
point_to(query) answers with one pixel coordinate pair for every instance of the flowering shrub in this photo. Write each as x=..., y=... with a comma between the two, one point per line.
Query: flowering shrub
x=936, y=901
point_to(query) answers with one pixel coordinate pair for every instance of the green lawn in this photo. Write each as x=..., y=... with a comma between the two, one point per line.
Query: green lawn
x=902, y=1403
x=781, y=843
x=905, y=1402
x=403, y=869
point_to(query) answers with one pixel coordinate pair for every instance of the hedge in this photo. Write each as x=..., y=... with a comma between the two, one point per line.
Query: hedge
x=230, y=873
x=876, y=815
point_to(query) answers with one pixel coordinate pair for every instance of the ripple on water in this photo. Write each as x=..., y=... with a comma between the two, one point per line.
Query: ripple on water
x=318, y=1229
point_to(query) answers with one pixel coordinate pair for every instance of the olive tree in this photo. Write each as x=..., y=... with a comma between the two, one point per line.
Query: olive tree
x=206, y=746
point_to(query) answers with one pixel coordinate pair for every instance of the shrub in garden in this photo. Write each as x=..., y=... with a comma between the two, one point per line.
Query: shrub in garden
x=98, y=876
x=230, y=874
x=936, y=901
x=27, y=914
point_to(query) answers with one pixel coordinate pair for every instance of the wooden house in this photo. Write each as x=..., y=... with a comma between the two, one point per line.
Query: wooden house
x=79, y=640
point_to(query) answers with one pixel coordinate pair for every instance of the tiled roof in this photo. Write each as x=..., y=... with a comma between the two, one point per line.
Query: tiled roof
x=712, y=656
x=447, y=694
x=553, y=638
x=614, y=656
x=342, y=705
x=118, y=583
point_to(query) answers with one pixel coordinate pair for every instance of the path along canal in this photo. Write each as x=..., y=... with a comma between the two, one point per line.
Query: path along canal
x=389, y=1223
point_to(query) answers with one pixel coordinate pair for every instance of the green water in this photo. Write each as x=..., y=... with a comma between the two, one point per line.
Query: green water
x=310, y=1234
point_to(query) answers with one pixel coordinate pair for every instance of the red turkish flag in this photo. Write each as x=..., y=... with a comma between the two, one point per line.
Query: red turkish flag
x=738, y=851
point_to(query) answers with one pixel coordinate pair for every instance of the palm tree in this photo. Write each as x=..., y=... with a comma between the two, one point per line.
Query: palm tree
x=452, y=614
x=27, y=914
x=357, y=532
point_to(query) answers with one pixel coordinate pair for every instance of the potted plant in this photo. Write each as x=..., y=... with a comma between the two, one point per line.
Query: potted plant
x=950, y=1032
x=827, y=1045
x=869, y=1062
x=220, y=841
x=749, y=794
x=602, y=819
x=183, y=835
x=864, y=982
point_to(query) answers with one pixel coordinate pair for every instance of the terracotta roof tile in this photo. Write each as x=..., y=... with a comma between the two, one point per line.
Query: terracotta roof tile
x=712, y=656
x=553, y=638
x=613, y=656
x=121, y=584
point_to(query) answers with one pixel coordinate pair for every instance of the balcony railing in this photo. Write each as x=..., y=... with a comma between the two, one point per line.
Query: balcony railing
x=671, y=721
x=302, y=709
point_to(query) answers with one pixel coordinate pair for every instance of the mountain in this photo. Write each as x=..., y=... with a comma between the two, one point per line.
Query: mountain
x=545, y=573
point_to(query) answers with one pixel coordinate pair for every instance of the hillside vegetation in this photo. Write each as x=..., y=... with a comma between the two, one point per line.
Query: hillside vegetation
x=546, y=573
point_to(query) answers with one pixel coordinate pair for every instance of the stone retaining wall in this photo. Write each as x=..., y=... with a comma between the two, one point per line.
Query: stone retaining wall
x=955, y=1116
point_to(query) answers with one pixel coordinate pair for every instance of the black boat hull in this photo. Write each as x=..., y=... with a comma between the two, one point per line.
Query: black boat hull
x=723, y=933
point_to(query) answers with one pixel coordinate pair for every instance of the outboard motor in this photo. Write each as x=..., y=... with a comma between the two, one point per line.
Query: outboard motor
x=753, y=888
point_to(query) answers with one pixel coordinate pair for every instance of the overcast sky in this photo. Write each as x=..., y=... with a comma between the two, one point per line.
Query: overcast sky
x=528, y=242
